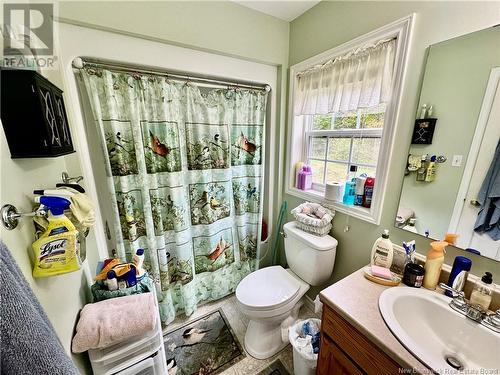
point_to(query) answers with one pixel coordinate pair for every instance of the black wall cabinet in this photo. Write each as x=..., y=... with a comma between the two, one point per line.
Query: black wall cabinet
x=33, y=115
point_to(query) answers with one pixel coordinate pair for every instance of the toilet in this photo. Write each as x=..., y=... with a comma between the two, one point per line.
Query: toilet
x=271, y=297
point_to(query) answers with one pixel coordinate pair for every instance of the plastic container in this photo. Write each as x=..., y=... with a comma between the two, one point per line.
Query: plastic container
x=138, y=260
x=369, y=186
x=307, y=177
x=458, y=274
x=413, y=275
x=149, y=366
x=349, y=192
x=111, y=281
x=143, y=355
x=360, y=190
x=304, y=360
x=298, y=168
x=481, y=295
x=433, y=263
x=382, y=251
x=57, y=250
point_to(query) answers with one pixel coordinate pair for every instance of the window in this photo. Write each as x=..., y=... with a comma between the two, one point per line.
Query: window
x=343, y=107
x=337, y=141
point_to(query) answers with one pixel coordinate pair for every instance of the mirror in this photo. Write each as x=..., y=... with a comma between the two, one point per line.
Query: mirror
x=452, y=178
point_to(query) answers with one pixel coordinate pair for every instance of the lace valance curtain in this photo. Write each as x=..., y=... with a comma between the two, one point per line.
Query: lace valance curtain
x=360, y=79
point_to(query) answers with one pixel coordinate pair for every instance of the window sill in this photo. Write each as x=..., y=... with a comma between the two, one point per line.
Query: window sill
x=317, y=196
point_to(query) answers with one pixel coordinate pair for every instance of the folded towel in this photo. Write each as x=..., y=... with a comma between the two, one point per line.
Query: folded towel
x=404, y=214
x=109, y=322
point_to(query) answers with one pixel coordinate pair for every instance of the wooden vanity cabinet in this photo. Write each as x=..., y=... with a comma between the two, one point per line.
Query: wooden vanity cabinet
x=344, y=350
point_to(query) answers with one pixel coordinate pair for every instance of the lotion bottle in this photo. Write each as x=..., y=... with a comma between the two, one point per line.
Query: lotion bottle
x=138, y=260
x=433, y=263
x=382, y=251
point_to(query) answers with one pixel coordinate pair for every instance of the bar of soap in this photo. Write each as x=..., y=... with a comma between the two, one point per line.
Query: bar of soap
x=382, y=272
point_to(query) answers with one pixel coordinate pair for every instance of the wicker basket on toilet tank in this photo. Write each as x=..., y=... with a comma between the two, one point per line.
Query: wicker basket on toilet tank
x=313, y=218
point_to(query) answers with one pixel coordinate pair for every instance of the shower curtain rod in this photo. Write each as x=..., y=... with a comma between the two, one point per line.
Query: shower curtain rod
x=80, y=63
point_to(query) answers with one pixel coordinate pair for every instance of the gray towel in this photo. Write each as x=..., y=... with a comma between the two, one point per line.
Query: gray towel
x=488, y=219
x=29, y=344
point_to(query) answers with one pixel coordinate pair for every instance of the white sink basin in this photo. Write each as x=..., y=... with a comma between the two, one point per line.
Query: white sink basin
x=424, y=323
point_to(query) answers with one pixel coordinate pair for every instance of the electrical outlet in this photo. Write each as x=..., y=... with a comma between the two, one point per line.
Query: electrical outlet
x=457, y=161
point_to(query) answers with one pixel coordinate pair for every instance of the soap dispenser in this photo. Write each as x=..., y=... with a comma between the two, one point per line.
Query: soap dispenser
x=481, y=295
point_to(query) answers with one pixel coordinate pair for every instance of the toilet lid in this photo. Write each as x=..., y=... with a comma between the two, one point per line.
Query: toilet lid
x=266, y=288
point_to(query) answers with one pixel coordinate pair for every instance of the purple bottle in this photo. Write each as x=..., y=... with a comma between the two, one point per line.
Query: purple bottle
x=307, y=177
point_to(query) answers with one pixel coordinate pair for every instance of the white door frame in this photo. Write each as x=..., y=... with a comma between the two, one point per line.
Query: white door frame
x=482, y=121
x=77, y=41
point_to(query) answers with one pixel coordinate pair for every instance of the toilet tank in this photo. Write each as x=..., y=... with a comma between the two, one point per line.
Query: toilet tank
x=310, y=257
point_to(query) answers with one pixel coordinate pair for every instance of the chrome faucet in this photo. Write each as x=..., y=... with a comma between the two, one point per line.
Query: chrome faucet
x=473, y=312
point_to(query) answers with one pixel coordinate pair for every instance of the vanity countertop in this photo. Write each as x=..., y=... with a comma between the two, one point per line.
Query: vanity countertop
x=356, y=299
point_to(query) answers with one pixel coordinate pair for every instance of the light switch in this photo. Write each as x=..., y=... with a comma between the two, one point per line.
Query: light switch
x=457, y=161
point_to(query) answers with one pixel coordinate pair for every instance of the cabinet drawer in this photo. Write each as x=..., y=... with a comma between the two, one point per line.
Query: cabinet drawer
x=355, y=345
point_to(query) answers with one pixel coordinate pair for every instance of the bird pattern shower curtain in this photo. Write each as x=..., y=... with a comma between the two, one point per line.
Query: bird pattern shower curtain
x=185, y=174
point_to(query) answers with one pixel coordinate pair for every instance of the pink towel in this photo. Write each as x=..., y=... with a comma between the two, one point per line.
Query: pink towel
x=109, y=322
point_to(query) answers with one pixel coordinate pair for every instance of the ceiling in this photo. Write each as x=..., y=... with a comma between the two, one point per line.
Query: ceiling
x=285, y=10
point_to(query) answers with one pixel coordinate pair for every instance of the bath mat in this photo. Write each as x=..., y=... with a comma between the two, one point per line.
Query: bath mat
x=275, y=368
x=206, y=345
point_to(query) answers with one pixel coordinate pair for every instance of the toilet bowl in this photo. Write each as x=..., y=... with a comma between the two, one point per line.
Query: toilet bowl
x=271, y=297
x=268, y=297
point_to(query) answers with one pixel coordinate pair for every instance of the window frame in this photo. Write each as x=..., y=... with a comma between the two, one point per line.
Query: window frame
x=338, y=133
x=298, y=126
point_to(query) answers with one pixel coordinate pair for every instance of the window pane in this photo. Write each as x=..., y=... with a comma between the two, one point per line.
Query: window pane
x=365, y=150
x=370, y=171
x=345, y=120
x=318, y=148
x=318, y=169
x=322, y=122
x=338, y=148
x=336, y=172
x=373, y=118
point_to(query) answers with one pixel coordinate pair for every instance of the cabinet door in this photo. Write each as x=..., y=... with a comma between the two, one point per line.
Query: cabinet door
x=332, y=361
x=62, y=120
x=49, y=114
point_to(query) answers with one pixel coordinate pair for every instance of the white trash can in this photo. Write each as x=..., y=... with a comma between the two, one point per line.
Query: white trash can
x=304, y=359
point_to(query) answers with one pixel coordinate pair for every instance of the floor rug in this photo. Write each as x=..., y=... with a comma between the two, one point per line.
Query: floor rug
x=275, y=368
x=204, y=346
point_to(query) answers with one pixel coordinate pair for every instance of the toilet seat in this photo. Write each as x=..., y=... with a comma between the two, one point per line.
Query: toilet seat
x=268, y=288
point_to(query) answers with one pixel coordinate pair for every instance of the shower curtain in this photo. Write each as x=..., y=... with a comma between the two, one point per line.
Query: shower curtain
x=184, y=165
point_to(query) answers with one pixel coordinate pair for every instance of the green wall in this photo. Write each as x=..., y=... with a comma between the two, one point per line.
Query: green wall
x=221, y=27
x=456, y=75
x=225, y=28
x=330, y=24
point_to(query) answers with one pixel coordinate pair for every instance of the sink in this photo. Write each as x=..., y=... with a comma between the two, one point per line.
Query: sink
x=441, y=338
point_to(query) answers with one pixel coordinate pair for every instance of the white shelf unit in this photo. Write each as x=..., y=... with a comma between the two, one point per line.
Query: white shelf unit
x=140, y=355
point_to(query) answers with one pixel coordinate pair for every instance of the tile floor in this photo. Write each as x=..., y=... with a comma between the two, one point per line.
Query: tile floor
x=238, y=323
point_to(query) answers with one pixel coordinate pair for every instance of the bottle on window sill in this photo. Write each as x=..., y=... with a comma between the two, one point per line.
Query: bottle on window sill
x=350, y=186
x=360, y=190
x=305, y=178
x=369, y=185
